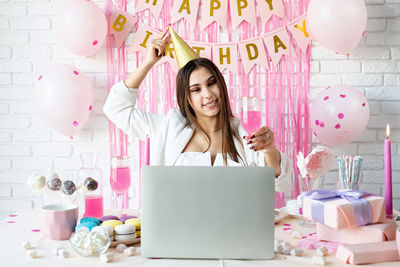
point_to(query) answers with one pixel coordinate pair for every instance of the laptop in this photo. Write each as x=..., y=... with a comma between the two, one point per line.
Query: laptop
x=207, y=212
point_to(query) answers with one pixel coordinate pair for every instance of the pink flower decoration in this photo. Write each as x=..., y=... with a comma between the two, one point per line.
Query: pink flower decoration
x=326, y=98
x=337, y=126
x=342, y=96
x=316, y=164
x=75, y=123
x=75, y=72
x=40, y=77
x=95, y=42
x=340, y=116
x=90, y=108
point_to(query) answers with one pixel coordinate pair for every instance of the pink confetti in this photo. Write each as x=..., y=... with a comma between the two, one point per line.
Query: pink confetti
x=303, y=237
x=75, y=123
x=340, y=115
x=342, y=96
x=75, y=72
x=287, y=229
x=316, y=122
x=90, y=108
x=312, y=234
x=337, y=126
x=326, y=98
x=40, y=77
x=95, y=42
x=35, y=230
x=287, y=224
x=11, y=222
x=321, y=124
x=12, y=215
x=363, y=104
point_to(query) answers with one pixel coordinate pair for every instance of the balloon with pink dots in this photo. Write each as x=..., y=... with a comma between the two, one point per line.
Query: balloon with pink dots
x=338, y=115
x=63, y=98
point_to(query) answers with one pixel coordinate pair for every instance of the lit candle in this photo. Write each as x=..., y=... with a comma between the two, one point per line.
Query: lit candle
x=388, y=176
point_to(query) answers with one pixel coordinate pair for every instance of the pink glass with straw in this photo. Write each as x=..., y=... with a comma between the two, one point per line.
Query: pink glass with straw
x=250, y=114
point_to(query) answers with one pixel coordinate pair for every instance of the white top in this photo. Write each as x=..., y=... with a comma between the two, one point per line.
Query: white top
x=203, y=159
x=169, y=135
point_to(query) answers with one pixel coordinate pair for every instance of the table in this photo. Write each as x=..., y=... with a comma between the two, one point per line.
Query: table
x=24, y=226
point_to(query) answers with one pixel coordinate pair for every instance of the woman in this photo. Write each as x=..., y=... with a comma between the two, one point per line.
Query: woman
x=203, y=130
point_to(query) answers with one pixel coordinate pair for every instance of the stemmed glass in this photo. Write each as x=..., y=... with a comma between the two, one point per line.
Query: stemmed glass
x=120, y=179
x=250, y=114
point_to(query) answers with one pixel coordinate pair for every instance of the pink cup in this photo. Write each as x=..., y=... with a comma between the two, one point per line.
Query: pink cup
x=59, y=220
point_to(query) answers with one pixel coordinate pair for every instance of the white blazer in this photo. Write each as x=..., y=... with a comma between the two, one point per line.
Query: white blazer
x=169, y=136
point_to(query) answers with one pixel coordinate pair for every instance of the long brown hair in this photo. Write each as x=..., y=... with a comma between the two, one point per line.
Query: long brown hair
x=225, y=113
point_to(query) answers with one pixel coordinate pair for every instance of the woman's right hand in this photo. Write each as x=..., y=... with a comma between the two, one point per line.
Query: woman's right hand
x=156, y=48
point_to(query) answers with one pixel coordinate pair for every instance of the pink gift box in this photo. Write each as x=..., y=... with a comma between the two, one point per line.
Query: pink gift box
x=368, y=253
x=339, y=212
x=362, y=234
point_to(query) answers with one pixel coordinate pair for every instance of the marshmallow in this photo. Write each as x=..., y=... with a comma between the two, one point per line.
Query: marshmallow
x=63, y=253
x=322, y=251
x=286, y=250
x=318, y=260
x=89, y=242
x=32, y=253
x=296, y=252
x=26, y=245
x=278, y=247
x=107, y=257
x=130, y=251
x=296, y=235
x=121, y=247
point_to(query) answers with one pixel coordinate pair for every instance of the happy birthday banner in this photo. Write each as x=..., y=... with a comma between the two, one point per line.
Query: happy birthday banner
x=225, y=55
x=259, y=50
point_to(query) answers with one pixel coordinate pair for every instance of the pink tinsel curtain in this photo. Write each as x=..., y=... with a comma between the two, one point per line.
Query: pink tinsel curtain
x=283, y=89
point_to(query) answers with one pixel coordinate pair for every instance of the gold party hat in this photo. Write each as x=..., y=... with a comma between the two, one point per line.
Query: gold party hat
x=183, y=52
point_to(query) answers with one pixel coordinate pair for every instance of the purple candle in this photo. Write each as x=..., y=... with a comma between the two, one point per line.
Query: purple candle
x=388, y=176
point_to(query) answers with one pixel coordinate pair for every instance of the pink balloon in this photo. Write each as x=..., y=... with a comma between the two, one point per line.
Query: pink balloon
x=338, y=115
x=63, y=98
x=81, y=27
x=337, y=24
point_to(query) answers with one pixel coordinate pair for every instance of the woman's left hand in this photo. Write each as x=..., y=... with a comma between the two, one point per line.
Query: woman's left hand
x=261, y=140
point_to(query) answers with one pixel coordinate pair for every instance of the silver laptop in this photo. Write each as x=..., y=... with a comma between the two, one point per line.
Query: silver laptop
x=208, y=212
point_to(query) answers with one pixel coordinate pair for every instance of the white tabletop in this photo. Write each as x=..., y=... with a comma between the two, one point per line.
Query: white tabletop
x=16, y=229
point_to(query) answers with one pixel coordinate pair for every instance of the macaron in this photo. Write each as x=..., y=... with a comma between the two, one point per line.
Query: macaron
x=88, y=225
x=90, y=219
x=125, y=229
x=108, y=217
x=134, y=221
x=125, y=232
x=112, y=223
x=125, y=217
x=125, y=237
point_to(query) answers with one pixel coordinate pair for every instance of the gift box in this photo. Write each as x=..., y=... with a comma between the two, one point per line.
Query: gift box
x=368, y=253
x=362, y=234
x=343, y=209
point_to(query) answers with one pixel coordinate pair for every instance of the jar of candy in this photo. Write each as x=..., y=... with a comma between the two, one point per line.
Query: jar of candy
x=89, y=178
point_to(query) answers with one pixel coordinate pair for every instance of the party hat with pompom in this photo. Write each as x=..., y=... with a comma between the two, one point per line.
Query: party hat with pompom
x=183, y=52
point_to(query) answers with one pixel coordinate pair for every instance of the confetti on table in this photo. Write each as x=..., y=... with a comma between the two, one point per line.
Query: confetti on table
x=11, y=222
x=35, y=230
x=12, y=215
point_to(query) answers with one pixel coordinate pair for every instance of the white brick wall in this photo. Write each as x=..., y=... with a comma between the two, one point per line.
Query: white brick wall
x=373, y=67
x=27, y=145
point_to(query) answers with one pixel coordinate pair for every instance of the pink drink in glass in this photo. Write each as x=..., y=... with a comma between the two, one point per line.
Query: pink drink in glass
x=120, y=179
x=251, y=121
x=93, y=206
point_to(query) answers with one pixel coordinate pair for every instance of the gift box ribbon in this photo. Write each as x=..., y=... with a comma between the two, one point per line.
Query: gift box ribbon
x=362, y=210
